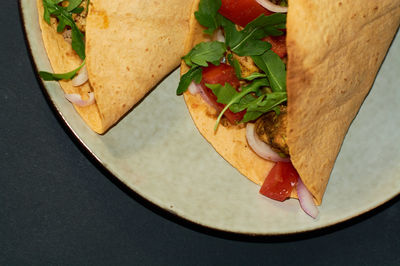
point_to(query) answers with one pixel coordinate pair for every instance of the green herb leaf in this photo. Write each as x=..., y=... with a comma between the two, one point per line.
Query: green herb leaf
x=194, y=74
x=284, y=3
x=255, y=75
x=224, y=93
x=228, y=95
x=72, y=4
x=46, y=15
x=248, y=41
x=273, y=66
x=204, y=53
x=272, y=24
x=78, y=10
x=51, y=76
x=208, y=15
x=78, y=43
x=243, y=42
x=262, y=105
x=64, y=17
x=235, y=63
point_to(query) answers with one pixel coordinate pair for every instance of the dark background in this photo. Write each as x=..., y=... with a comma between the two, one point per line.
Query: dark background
x=58, y=206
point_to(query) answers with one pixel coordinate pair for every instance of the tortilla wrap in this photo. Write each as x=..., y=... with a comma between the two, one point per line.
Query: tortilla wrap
x=130, y=46
x=335, y=49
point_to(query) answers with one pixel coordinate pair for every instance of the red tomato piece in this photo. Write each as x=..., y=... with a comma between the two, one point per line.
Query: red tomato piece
x=242, y=12
x=221, y=74
x=278, y=44
x=280, y=181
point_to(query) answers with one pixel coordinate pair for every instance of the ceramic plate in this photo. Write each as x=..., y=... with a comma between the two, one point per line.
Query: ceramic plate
x=158, y=153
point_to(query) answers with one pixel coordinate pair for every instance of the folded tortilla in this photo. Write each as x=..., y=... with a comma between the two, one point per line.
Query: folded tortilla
x=130, y=46
x=335, y=49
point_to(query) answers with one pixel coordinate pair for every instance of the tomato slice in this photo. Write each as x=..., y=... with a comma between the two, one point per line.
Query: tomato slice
x=221, y=74
x=280, y=181
x=242, y=12
x=278, y=44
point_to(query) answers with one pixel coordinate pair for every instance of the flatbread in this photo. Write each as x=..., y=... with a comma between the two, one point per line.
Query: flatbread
x=335, y=49
x=131, y=45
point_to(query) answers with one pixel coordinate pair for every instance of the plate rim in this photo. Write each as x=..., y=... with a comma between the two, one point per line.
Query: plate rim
x=167, y=211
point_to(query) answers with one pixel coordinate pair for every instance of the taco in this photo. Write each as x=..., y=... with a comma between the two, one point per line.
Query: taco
x=278, y=112
x=123, y=48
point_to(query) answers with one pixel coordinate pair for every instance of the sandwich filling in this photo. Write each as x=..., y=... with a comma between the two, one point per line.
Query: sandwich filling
x=68, y=17
x=240, y=72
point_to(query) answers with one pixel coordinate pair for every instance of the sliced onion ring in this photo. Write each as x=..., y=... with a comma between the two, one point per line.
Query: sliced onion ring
x=306, y=199
x=261, y=148
x=81, y=78
x=194, y=88
x=272, y=7
x=197, y=88
x=77, y=99
x=219, y=36
x=207, y=98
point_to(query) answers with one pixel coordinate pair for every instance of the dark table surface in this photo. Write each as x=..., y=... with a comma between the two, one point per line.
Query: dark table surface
x=58, y=206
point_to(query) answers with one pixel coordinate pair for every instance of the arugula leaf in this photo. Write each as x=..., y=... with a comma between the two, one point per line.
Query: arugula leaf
x=69, y=75
x=205, y=52
x=78, y=10
x=284, y=3
x=200, y=55
x=273, y=66
x=262, y=105
x=271, y=23
x=248, y=41
x=194, y=74
x=255, y=75
x=236, y=66
x=228, y=95
x=46, y=15
x=224, y=93
x=244, y=43
x=49, y=8
x=208, y=16
x=78, y=43
x=72, y=4
x=64, y=17
x=247, y=99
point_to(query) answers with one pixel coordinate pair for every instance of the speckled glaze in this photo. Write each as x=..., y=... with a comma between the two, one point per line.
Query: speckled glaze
x=158, y=153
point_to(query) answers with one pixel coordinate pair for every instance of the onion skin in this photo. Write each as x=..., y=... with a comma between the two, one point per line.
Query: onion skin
x=198, y=89
x=81, y=78
x=272, y=7
x=261, y=148
x=306, y=199
x=77, y=99
x=206, y=98
x=219, y=36
x=194, y=88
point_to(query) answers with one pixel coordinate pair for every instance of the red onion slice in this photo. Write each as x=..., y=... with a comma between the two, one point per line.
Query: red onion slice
x=306, y=199
x=194, y=88
x=81, y=78
x=260, y=147
x=219, y=36
x=207, y=98
x=272, y=7
x=77, y=99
